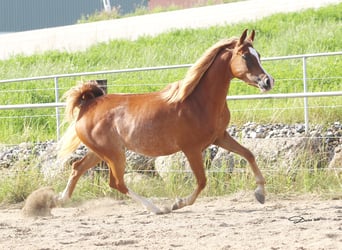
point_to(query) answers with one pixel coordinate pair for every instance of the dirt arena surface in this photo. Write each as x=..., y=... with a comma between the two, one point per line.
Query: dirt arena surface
x=230, y=222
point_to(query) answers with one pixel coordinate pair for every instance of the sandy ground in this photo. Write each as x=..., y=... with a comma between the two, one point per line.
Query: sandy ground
x=231, y=222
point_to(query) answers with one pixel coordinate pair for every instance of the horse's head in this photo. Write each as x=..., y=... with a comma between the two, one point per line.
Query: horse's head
x=246, y=65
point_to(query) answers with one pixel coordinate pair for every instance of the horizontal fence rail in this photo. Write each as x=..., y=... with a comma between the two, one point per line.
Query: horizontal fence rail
x=104, y=72
x=232, y=98
x=57, y=104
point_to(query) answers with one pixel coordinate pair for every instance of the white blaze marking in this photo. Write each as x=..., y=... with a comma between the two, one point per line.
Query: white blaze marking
x=255, y=53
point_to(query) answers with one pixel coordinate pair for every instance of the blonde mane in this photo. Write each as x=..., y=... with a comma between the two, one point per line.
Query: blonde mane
x=179, y=91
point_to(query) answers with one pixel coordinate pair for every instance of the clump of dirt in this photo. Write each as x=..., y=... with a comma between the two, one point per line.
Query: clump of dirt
x=40, y=202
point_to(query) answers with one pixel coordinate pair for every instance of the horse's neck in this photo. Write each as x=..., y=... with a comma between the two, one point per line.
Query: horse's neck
x=214, y=85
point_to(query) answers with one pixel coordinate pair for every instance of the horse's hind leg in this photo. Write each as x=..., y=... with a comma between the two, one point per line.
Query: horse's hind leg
x=228, y=143
x=78, y=169
x=196, y=162
x=116, y=162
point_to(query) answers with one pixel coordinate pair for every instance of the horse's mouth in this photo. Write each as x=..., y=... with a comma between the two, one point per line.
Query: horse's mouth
x=265, y=84
x=264, y=88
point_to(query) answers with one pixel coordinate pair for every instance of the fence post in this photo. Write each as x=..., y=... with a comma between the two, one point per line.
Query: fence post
x=306, y=102
x=57, y=109
x=103, y=84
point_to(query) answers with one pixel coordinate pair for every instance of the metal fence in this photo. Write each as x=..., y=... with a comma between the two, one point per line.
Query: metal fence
x=57, y=104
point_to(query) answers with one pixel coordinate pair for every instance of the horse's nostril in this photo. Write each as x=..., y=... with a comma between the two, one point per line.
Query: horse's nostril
x=268, y=82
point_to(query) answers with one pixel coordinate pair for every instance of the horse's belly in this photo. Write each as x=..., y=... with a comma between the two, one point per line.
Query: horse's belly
x=152, y=146
x=150, y=141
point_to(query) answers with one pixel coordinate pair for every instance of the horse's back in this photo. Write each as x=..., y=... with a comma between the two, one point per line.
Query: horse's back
x=140, y=122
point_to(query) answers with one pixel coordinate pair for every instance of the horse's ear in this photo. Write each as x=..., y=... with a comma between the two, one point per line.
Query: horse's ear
x=251, y=36
x=243, y=37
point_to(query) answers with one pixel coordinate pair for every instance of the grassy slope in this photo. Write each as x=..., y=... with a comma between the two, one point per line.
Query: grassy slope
x=311, y=31
x=281, y=34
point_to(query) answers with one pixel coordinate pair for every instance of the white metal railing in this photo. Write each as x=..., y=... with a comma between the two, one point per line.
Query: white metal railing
x=57, y=104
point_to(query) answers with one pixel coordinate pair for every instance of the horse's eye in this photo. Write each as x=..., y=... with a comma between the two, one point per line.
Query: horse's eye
x=244, y=56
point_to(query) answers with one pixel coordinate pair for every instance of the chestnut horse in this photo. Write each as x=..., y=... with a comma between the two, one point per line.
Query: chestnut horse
x=188, y=115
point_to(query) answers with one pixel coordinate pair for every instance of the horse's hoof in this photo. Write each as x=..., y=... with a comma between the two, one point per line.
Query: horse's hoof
x=61, y=199
x=177, y=204
x=165, y=210
x=174, y=207
x=259, y=196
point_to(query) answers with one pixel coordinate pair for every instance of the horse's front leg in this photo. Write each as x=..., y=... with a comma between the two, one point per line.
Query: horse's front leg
x=196, y=162
x=228, y=143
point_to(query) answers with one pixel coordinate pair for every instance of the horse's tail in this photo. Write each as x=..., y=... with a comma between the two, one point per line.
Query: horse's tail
x=75, y=98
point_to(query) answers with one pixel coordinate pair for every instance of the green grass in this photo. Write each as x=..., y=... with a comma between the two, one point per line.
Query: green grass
x=310, y=31
x=16, y=185
x=306, y=174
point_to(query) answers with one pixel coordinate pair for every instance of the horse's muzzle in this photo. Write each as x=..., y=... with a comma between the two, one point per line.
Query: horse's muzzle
x=266, y=83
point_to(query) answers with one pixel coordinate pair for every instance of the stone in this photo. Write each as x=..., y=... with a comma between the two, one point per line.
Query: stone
x=283, y=145
x=171, y=164
x=336, y=161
